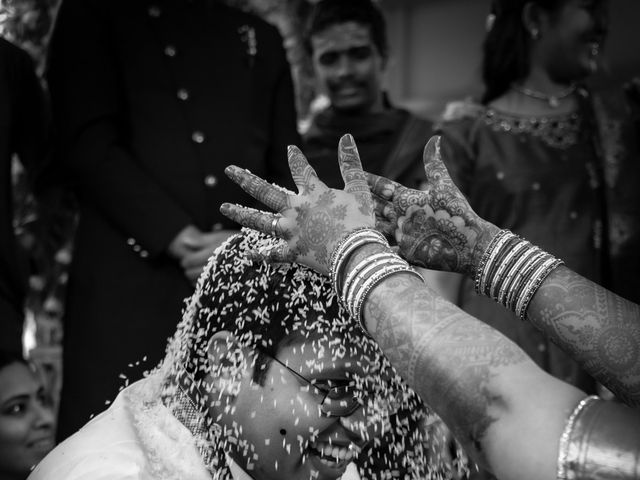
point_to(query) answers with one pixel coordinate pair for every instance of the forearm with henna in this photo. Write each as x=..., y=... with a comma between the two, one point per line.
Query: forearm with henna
x=451, y=360
x=596, y=327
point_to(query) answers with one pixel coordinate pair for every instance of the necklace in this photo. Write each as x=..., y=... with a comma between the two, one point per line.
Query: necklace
x=552, y=100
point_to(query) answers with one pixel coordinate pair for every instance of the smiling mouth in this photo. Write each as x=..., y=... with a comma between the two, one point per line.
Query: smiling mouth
x=334, y=456
x=42, y=443
x=346, y=88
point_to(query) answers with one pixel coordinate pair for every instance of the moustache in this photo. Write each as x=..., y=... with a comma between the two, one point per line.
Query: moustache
x=344, y=84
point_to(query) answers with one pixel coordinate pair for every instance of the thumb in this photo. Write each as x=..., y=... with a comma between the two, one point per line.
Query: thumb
x=434, y=168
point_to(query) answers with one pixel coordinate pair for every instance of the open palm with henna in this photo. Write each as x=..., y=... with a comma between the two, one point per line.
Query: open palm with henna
x=312, y=221
x=435, y=228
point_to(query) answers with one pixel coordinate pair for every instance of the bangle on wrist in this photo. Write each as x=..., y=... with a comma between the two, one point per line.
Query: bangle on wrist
x=601, y=440
x=364, y=274
x=511, y=271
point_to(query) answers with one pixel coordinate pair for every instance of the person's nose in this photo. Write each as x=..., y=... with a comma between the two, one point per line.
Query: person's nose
x=45, y=418
x=344, y=67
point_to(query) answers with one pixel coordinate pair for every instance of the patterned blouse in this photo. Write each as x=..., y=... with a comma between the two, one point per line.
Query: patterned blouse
x=568, y=183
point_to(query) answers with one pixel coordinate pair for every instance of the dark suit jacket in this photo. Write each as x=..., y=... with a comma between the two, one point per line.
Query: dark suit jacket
x=22, y=133
x=152, y=100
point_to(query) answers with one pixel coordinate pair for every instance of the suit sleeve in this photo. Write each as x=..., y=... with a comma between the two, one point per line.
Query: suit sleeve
x=284, y=120
x=90, y=117
x=32, y=116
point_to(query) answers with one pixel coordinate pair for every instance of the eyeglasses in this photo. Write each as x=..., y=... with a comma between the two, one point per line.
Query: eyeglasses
x=337, y=401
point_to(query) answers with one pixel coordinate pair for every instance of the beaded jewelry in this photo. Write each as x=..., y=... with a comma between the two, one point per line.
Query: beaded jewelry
x=481, y=275
x=536, y=280
x=511, y=271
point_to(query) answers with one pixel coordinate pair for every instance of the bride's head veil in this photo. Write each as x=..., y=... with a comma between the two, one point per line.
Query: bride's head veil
x=261, y=304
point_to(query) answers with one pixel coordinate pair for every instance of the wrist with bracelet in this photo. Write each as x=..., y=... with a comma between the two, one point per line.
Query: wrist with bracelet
x=354, y=276
x=601, y=440
x=511, y=270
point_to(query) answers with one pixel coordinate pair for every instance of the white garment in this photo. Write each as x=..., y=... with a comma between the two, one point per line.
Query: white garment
x=136, y=438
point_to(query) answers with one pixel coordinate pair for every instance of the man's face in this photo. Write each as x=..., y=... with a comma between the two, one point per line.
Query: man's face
x=348, y=67
x=284, y=431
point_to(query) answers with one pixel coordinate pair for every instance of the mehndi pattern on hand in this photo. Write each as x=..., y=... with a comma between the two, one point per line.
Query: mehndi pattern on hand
x=434, y=228
x=313, y=220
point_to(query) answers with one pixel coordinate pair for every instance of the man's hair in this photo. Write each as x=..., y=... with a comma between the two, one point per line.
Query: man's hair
x=327, y=13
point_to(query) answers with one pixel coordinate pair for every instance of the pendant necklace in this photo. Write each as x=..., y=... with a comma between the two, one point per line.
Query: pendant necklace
x=552, y=100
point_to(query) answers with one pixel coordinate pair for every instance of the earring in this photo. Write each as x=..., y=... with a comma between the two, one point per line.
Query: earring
x=491, y=19
x=535, y=33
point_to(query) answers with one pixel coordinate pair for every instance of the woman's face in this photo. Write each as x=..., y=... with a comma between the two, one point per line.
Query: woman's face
x=282, y=428
x=571, y=39
x=26, y=421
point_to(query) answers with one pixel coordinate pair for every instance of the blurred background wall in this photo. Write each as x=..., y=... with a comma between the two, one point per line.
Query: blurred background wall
x=436, y=49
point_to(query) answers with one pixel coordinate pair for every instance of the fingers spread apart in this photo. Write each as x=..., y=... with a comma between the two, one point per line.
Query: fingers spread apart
x=271, y=196
x=355, y=181
x=264, y=222
x=304, y=176
x=354, y=178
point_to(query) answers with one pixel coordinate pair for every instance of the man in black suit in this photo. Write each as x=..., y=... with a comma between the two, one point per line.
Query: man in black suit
x=152, y=100
x=22, y=132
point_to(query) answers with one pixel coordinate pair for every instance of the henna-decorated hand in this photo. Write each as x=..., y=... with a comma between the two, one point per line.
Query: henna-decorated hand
x=313, y=221
x=435, y=228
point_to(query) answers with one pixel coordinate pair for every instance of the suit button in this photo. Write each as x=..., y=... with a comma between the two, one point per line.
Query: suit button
x=210, y=181
x=131, y=241
x=170, y=51
x=154, y=11
x=183, y=94
x=144, y=253
x=217, y=226
x=197, y=136
x=137, y=248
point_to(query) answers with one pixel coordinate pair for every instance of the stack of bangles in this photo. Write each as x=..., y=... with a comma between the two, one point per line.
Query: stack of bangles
x=367, y=273
x=511, y=270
